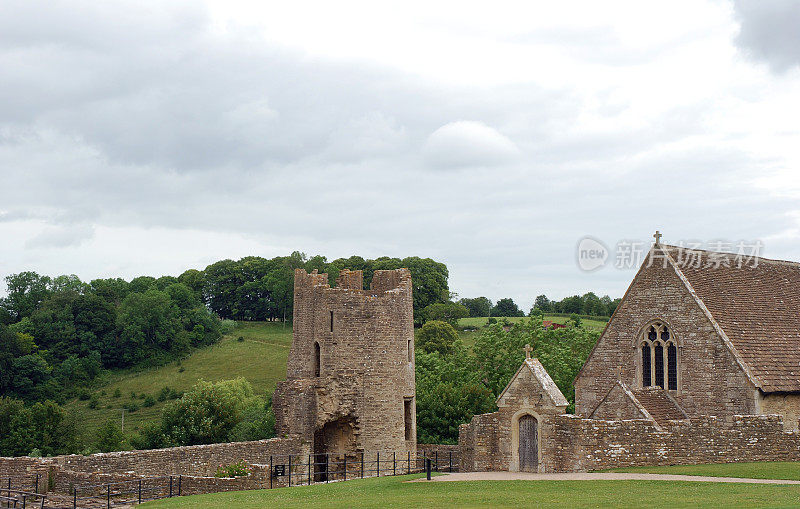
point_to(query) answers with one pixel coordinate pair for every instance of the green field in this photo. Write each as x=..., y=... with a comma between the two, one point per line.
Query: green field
x=469, y=336
x=394, y=492
x=759, y=470
x=260, y=358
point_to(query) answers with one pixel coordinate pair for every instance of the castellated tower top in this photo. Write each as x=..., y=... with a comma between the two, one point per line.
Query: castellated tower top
x=350, y=373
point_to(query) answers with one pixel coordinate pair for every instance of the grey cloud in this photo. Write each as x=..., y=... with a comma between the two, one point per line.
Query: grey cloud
x=769, y=31
x=61, y=237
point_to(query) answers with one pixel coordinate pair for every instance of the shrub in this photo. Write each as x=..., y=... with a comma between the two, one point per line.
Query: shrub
x=149, y=401
x=133, y=395
x=131, y=407
x=103, y=392
x=235, y=470
x=492, y=320
x=109, y=437
x=436, y=336
x=117, y=393
x=83, y=395
x=94, y=403
x=241, y=338
x=163, y=394
x=227, y=326
x=181, y=369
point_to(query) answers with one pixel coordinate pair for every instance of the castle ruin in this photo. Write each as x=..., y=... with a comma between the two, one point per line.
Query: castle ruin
x=350, y=374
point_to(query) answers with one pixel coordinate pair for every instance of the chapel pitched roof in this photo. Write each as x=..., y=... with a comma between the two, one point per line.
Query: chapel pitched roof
x=756, y=304
x=658, y=403
x=549, y=387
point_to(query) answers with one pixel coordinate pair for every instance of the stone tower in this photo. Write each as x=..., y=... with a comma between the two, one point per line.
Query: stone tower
x=350, y=374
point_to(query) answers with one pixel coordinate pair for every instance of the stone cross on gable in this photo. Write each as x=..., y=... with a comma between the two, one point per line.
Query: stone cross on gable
x=657, y=236
x=527, y=351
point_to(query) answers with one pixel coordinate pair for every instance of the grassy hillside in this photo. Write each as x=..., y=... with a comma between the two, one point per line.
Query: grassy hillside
x=260, y=358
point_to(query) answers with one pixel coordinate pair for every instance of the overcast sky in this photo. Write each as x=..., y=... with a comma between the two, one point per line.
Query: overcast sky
x=146, y=138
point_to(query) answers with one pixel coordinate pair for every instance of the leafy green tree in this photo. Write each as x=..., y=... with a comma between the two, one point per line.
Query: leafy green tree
x=506, y=307
x=449, y=393
x=479, y=306
x=449, y=312
x=44, y=426
x=147, y=321
x=112, y=290
x=207, y=413
x=26, y=291
x=562, y=352
x=110, y=437
x=141, y=284
x=543, y=303
x=436, y=336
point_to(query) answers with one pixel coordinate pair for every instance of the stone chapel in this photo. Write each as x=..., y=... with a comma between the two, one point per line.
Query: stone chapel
x=700, y=362
x=699, y=333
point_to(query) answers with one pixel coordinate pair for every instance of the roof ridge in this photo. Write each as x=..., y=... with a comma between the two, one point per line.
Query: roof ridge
x=760, y=259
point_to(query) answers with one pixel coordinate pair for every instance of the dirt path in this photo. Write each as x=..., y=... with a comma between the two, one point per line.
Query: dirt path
x=525, y=476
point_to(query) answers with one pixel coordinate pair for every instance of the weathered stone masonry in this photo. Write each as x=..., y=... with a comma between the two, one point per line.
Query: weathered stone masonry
x=350, y=374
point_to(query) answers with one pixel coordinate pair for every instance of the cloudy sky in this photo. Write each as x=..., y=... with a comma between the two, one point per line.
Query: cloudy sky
x=152, y=137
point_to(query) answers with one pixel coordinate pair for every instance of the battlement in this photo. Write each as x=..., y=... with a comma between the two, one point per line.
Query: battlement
x=397, y=280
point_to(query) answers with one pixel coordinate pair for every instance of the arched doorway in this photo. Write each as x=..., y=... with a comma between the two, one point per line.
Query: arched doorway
x=332, y=443
x=528, y=446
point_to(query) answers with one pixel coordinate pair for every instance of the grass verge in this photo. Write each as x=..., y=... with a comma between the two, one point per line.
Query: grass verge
x=392, y=492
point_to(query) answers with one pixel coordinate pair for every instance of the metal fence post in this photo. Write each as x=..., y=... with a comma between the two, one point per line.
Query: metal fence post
x=74, y=498
x=362, y=464
x=290, y=470
x=450, y=469
x=394, y=462
x=378, y=462
x=140, y=491
x=36, y=488
x=180, y=479
x=408, y=463
x=309, y=470
x=428, y=468
x=327, y=467
x=436, y=455
x=108, y=496
x=170, y=486
x=270, y=472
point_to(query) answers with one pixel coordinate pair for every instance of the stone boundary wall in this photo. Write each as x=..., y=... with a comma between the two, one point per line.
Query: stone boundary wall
x=577, y=444
x=574, y=444
x=196, y=463
x=441, y=451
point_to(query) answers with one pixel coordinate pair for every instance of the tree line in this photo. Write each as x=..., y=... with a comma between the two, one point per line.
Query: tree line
x=588, y=304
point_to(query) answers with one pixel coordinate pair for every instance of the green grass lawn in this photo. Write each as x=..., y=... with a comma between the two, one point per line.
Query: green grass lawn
x=393, y=492
x=759, y=470
x=260, y=358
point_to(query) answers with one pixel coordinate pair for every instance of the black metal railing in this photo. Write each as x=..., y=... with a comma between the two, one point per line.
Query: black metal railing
x=12, y=494
x=127, y=492
x=296, y=469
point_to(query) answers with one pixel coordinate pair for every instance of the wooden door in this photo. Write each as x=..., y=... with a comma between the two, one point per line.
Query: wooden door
x=528, y=444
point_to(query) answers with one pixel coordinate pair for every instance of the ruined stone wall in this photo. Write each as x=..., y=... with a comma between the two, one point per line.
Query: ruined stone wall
x=196, y=461
x=570, y=443
x=366, y=371
x=710, y=382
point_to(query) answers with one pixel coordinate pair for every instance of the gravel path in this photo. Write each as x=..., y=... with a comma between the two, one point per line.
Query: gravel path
x=525, y=476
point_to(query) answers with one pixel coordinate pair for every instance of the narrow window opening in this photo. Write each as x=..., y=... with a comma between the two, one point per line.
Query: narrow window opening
x=672, y=367
x=331, y=321
x=407, y=413
x=646, y=376
x=408, y=350
x=659, y=358
x=316, y=359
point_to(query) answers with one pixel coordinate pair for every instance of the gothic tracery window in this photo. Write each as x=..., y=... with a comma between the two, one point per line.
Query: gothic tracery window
x=659, y=357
